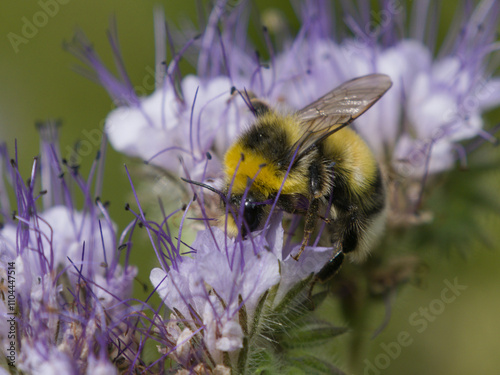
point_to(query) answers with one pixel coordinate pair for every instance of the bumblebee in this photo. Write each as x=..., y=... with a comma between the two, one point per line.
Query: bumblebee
x=308, y=163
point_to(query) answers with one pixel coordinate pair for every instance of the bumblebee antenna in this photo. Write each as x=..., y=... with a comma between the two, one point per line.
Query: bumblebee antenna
x=255, y=105
x=220, y=193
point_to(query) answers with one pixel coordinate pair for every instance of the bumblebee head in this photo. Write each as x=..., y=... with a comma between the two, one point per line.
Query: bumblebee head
x=249, y=211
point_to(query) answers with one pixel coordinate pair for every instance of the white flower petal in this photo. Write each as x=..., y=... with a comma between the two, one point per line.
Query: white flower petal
x=100, y=367
x=311, y=261
x=158, y=278
x=232, y=337
x=183, y=346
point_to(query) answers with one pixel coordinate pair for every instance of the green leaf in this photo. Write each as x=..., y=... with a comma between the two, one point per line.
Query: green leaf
x=258, y=314
x=243, y=317
x=314, y=366
x=226, y=360
x=289, y=298
x=263, y=362
x=311, y=335
x=317, y=299
x=243, y=356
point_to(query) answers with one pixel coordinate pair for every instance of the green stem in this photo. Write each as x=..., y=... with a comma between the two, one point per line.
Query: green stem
x=357, y=310
x=358, y=344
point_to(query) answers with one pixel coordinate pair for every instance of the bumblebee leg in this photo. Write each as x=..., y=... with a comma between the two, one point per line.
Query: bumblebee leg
x=311, y=216
x=331, y=268
x=354, y=224
x=325, y=219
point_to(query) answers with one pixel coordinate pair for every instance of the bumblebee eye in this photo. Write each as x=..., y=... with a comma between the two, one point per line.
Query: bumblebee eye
x=252, y=214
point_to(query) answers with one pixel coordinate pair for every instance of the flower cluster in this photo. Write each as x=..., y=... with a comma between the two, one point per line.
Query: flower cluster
x=229, y=305
x=435, y=102
x=216, y=295
x=213, y=302
x=70, y=290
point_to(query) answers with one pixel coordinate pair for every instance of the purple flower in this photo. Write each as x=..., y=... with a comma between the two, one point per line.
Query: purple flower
x=162, y=125
x=435, y=101
x=70, y=290
x=208, y=292
x=220, y=292
x=45, y=360
x=174, y=127
x=63, y=235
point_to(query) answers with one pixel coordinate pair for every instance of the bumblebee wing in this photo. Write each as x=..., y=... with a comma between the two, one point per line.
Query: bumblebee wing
x=339, y=108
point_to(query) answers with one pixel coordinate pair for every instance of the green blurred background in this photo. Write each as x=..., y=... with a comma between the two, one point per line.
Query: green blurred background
x=37, y=83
